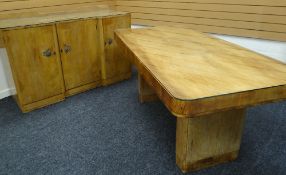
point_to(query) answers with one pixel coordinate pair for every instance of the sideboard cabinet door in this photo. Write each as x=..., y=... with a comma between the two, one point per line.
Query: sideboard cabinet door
x=116, y=66
x=81, y=64
x=36, y=67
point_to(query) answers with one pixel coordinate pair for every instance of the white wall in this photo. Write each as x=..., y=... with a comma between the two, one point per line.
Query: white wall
x=7, y=87
x=274, y=49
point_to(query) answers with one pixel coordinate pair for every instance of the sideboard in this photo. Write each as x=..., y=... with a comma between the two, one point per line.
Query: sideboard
x=56, y=55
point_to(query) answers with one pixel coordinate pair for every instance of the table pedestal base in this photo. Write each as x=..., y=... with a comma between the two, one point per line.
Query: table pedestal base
x=208, y=140
x=146, y=94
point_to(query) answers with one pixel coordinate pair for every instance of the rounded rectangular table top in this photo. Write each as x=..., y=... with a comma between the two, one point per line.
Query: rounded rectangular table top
x=190, y=67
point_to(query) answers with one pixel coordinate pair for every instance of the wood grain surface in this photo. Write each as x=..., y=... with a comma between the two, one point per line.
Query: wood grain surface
x=1, y=40
x=81, y=64
x=195, y=74
x=48, y=15
x=16, y=8
x=208, y=140
x=36, y=76
x=56, y=17
x=114, y=63
x=51, y=61
x=258, y=19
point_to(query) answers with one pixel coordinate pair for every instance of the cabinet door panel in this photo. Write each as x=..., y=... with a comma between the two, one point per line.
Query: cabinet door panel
x=115, y=64
x=79, y=52
x=34, y=57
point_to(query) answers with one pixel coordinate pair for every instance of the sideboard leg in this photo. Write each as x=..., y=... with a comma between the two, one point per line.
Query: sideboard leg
x=146, y=94
x=208, y=140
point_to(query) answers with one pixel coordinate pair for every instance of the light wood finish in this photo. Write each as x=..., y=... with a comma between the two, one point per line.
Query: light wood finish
x=53, y=15
x=56, y=17
x=208, y=140
x=26, y=4
x=83, y=61
x=82, y=88
x=113, y=63
x=13, y=7
x=256, y=19
x=36, y=77
x=196, y=71
x=65, y=8
x=42, y=103
x=146, y=94
x=206, y=83
x=1, y=40
x=81, y=65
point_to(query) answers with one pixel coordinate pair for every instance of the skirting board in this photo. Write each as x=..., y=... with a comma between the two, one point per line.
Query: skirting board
x=7, y=92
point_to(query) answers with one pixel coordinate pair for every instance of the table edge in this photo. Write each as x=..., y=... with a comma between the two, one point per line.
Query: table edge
x=201, y=106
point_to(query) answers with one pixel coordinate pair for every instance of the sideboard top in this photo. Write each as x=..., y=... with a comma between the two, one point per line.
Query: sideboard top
x=47, y=18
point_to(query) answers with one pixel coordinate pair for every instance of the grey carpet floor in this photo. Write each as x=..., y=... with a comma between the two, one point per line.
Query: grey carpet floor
x=107, y=131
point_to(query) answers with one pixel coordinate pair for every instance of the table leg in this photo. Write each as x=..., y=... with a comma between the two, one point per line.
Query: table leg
x=208, y=140
x=146, y=94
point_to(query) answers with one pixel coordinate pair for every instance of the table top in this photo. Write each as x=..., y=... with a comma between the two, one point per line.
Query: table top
x=191, y=66
x=42, y=18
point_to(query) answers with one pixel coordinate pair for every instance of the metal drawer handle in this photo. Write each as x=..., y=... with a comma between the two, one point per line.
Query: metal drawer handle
x=67, y=48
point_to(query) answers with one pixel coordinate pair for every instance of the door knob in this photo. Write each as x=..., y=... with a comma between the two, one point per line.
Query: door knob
x=47, y=53
x=109, y=41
